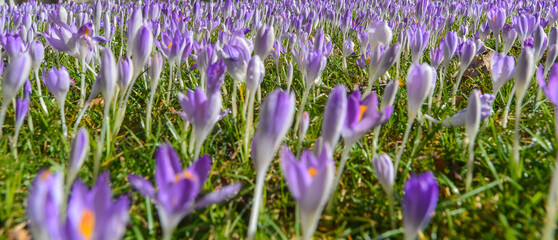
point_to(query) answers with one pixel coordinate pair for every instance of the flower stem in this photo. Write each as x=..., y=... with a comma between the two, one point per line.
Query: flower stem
x=171, y=81
x=248, y=127
x=456, y=86
x=515, y=157
x=507, y=109
x=101, y=141
x=3, y=110
x=233, y=99
x=63, y=120
x=341, y=168
x=550, y=222
x=148, y=113
x=260, y=178
x=471, y=158
x=39, y=89
x=301, y=110
x=403, y=143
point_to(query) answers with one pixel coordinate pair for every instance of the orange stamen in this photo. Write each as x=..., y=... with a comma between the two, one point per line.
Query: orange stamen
x=87, y=224
x=362, y=110
x=312, y=171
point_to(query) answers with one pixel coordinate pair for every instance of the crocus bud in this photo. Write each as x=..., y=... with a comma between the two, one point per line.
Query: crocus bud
x=27, y=89
x=383, y=167
x=58, y=83
x=501, y=70
x=43, y=204
x=460, y=118
x=107, y=75
x=419, y=84
x=15, y=75
x=254, y=73
x=449, y=46
x=63, y=14
x=379, y=34
x=22, y=106
x=468, y=51
x=141, y=48
x=390, y=92
x=263, y=41
x=540, y=43
x=134, y=25
x=348, y=47
x=125, y=70
x=524, y=71
x=215, y=76
x=315, y=64
x=276, y=117
x=509, y=35
x=418, y=39
x=420, y=197
x=550, y=57
x=473, y=118
x=387, y=60
x=37, y=53
x=304, y=123
x=78, y=153
x=155, y=69
x=334, y=116
x=553, y=36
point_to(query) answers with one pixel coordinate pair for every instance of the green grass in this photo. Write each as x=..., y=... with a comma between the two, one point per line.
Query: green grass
x=497, y=207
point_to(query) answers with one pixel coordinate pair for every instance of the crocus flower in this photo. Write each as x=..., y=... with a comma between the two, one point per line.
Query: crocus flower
x=496, y=19
x=171, y=45
x=304, y=123
x=314, y=66
x=22, y=106
x=390, y=92
x=254, y=73
x=509, y=35
x=383, y=167
x=550, y=88
x=156, y=66
x=125, y=71
x=37, y=54
x=141, y=49
x=263, y=41
x=334, y=116
x=362, y=116
x=420, y=197
x=419, y=84
x=13, y=79
x=202, y=111
x=525, y=25
x=524, y=71
x=236, y=55
x=379, y=34
x=178, y=188
x=58, y=83
x=92, y=214
x=348, y=47
x=418, y=39
x=215, y=76
x=450, y=44
x=78, y=153
x=501, y=70
x=309, y=181
x=436, y=56
x=540, y=43
x=460, y=118
x=43, y=204
x=12, y=44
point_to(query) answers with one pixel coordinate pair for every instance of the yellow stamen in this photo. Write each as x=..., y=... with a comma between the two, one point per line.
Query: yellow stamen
x=177, y=178
x=170, y=45
x=87, y=224
x=400, y=82
x=189, y=175
x=179, y=18
x=45, y=175
x=312, y=171
x=86, y=32
x=311, y=36
x=362, y=110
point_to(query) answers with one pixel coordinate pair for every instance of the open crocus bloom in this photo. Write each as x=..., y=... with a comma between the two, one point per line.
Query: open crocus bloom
x=362, y=116
x=177, y=188
x=460, y=118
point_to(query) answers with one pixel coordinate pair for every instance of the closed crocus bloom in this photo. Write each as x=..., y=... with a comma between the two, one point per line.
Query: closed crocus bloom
x=15, y=75
x=419, y=84
x=254, y=73
x=473, y=114
x=177, y=188
x=418, y=40
x=420, y=197
x=501, y=70
x=263, y=41
x=134, y=25
x=57, y=82
x=496, y=19
x=553, y=36
x=215, y=76
x=78, y=153
x=43, y=204
x=551, y=88
x=460, y=119
x=509, y=36
x=276, y=117
x=436, y=56
x=524, y=71
x=12, y=44
x=550, y=57
x=37, y=53
x=92, y=214
x=236, y=55
x=309, y=181
x=362, y=116
x=386, y=61
x=540, y=43
x=315, y=65
x=22, y=106
x=525, y=25
x=348, y=47
x=450, y=43
x=155, y=69
x=334, y=116
x=379, y=34
x=141, y=48
x=468, y=51
x=390, y=92
x=107, y=75
x=125, y=71
x=383, y=167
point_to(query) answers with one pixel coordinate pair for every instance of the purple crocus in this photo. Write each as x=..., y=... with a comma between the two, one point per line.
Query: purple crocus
x=362, y=116
x=92, y=214
x=420, y=197
x=12, y=44
x=22, y=107
x=334, y=116
x=496, y=19
x=57, y=82
x=263, y=41
x=419, y=84
x=309, y=181
x=460, y=118
x=501, y=70
x=13, y=79
x=141, y=49
x=43, y=204
x=551, y=88
x=383, y=167
x=236, y=54
x=509, y=35
x=525, y=25
x=78, y=153
x=178, y=188
x=37, y=53
x=418, y=40
x=171, y=45
x=125, y=71
x=202, y=111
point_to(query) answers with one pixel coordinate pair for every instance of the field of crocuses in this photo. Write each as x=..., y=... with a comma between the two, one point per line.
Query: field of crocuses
x=267, y=119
